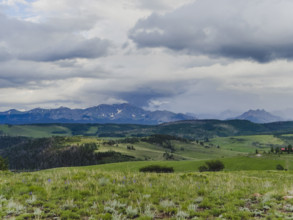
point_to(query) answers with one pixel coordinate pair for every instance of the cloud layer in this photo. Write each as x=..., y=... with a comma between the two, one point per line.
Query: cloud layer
x=198, y=56
x=25, y=40
x=258, y=30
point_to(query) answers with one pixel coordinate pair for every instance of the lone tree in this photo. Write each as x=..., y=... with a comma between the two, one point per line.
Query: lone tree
x=213, y=165
x=3, y=164
x=289, y=148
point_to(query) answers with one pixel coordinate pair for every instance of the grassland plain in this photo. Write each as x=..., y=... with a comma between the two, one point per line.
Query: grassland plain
x=249, y=187
x=250, y=143
x=139, y=149
x=35, y=131
x=252, y=162
x=188, y=129
x=218, y=147
x=91, y=193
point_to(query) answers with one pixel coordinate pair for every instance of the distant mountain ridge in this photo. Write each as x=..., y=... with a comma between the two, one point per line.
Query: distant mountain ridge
x=117, y=113
x=259, y=116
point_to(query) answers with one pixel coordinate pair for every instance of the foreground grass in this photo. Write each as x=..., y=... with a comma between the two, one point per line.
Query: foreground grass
x=75, y=193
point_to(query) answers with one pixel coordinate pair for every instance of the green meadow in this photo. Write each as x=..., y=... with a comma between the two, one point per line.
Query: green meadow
x=250, y=143
x=35, y=131
x=120, y=192
x=249, y=187
x=231, y=164
x=214, y=148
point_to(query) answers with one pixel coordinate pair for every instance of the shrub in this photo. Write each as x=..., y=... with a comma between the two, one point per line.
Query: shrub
x=279, y=167
x=213, y=165
x=203, y=168
x=157, y=169
x=131, y=212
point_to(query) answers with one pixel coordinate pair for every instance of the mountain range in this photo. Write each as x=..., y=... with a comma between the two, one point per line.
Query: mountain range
x=259, y=116
x=117, y=113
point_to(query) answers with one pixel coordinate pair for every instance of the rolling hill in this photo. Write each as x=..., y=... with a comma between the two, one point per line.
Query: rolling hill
x=191, y=129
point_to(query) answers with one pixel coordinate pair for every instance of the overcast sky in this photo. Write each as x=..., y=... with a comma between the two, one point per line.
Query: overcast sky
x=199, y=56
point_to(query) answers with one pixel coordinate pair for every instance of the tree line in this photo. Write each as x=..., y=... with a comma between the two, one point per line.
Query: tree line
x=44, y=153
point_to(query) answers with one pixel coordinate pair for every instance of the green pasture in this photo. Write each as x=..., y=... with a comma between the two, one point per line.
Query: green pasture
x=252, y=162
x=215, y=148
x=94, y=193
x=248, y=144
x=35, y=131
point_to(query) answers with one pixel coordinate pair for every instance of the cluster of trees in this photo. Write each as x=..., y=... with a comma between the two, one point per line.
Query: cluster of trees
x=112, y=134
x=213, y=165
x=277, y=150
x=204, y=142
x=128, y=140
x=122, y=141
x=110, y=142
x=53, y=152
x=130, y=147
x=7, y=141
x=163, y=140
x=168, y=156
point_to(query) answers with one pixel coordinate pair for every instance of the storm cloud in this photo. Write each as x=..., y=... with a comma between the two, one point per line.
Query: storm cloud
x=26, y=40
x=198, y=56
x=256, y=30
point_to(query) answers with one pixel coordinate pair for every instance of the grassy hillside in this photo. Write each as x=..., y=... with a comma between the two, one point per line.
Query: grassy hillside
x=196, y=129
x=251, y=162
x=249, y=143
x=218, y=147
x=249, y=187
x=90, y=193
x=27, y=153
x=35, y=131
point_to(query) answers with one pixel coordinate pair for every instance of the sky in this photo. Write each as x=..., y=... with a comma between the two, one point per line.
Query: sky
x=196, y=56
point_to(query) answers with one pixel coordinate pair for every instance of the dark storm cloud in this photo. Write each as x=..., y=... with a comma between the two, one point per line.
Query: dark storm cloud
x=48, y=41
x=258, y=30
x=141, y=96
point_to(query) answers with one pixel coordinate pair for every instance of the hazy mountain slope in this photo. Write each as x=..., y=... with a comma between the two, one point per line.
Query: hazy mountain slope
x=259, y=116
x=118, y=113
